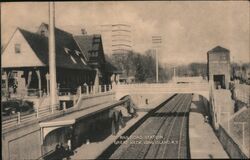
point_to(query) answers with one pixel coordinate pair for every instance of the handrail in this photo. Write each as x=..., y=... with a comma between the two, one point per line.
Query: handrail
x=46, y=110
x=43, y=156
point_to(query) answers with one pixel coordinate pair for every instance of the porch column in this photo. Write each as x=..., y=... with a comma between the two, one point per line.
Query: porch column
x=28, y=83
x=96, y=82
x=47, y=82
x=29, y=79
x=7, y=82
x=117, y=79
x=39, y=82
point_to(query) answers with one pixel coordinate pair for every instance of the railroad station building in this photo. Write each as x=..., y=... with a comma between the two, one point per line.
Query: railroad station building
x=218, y=60
x=79, y=60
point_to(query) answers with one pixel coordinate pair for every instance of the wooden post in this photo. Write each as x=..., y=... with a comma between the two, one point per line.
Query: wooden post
x=7, y=83
x=64, y=106
x=18, y=118
x=39, y=83
x=47, y=82
x=100, y=88
x=87, y=89
x=29, y=79
x=37, y=110
x=93, y=90
x=80, y=90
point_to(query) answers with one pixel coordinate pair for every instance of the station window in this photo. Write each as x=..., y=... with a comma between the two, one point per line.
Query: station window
x=17, y=48
x=66, y=50
x=73, y=59
x=77, y=53
x=83, y=61
x=42, y=32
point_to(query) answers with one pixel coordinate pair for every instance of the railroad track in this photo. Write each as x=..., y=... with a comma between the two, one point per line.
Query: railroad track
x=168, y=124
x=148, y=128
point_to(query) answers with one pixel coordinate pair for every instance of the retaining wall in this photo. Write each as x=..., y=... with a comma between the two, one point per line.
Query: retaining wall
x=232, y=148
x=23, y=141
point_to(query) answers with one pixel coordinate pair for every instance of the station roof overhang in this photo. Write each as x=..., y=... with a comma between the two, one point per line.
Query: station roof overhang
x=57, y=123
x=73, y=116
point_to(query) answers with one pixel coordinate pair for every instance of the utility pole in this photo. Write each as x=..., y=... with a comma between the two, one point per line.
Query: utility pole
x=156, y=40
x=52, y=56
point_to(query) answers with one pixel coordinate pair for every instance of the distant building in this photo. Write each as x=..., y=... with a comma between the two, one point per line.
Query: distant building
x=79, y=60
x=219, y=66
x=117, y=38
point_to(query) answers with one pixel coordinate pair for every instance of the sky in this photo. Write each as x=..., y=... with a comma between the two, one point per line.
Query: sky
x=188, y=29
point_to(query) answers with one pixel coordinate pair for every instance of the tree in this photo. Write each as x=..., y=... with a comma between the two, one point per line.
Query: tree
x=140, y=75
x=141, y=66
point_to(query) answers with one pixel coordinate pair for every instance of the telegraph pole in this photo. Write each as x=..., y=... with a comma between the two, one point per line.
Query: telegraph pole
x=156, y=40
x=52, y=56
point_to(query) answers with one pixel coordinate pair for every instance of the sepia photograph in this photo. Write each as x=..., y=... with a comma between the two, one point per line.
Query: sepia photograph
x=125, y=80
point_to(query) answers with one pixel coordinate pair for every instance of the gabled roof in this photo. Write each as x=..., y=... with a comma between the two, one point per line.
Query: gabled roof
x=65, y=48
x=219, y=49
x=89, y=44
x=93, y=43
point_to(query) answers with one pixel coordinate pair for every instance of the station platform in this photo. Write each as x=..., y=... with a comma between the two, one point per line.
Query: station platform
x=81, y=113
x=95, y=149
x=203, y=142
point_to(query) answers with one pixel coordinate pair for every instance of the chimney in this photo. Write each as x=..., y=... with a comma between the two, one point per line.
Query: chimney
x=84, y=32
x=42, y=33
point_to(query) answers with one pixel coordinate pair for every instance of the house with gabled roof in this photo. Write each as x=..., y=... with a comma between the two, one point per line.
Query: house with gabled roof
x=25, y=62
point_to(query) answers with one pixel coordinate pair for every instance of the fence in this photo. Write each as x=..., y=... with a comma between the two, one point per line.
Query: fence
x=165, y=87
x=237, y=127
x=22, y=93
x=45, y=111
x=231, y=144
x=230, y=133
x=242, y=93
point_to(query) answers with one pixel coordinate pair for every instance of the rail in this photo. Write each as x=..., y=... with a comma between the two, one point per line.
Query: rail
x=199, y=86
x=21, y=93
x=45, y=111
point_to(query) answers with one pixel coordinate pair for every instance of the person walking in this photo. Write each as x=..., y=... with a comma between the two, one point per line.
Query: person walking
x=69, y=144
x=15, y=86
